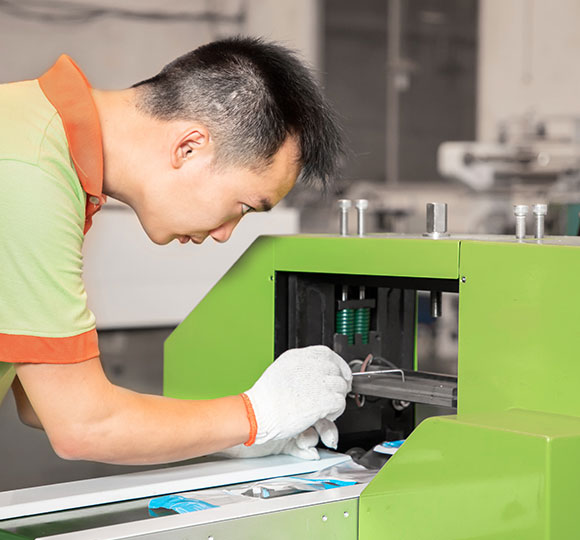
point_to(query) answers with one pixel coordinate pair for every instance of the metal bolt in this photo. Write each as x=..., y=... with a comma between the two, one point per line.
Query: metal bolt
x=436, y=300
x=463, y=279
x=540, y=211
x=361, y=206
x=346, y=514
x=521, y=211
x=436, y=220
x=344, y=205
x=324, y=518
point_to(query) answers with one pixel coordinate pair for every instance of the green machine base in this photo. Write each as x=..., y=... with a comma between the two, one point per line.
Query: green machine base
x=507, y=466
x=508, y=476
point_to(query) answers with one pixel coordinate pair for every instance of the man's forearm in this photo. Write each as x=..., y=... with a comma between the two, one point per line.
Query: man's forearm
x=149, y=429
x=87, y=417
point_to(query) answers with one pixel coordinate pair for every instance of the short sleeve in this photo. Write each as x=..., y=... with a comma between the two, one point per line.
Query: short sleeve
x=44, y=316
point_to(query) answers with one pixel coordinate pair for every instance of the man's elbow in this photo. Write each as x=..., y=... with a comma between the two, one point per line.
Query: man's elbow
x=73, y=444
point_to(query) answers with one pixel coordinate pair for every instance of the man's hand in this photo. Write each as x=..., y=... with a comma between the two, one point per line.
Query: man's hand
x=302, y=387
x=302, y=446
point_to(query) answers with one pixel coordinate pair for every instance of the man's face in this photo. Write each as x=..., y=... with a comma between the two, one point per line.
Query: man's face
x=200, y=200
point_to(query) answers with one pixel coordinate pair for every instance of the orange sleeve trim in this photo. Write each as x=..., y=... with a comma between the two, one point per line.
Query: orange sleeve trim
x=48, y=350
x=252, y=419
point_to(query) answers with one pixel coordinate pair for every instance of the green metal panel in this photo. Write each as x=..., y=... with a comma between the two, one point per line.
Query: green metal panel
x=379, y=256
x=519, y=343
x=497, y=476
x=227, y=341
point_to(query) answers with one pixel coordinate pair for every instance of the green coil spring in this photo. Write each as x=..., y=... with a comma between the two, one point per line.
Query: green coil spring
x=362, y=322
x=345, y=324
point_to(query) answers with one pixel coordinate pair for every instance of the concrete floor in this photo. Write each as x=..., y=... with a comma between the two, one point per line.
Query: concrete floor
x=132, y=359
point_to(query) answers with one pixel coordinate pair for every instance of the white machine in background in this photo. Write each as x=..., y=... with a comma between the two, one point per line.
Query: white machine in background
x=530, y=152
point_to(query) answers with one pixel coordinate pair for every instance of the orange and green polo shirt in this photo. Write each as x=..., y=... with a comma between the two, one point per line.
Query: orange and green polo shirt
x=51, y=177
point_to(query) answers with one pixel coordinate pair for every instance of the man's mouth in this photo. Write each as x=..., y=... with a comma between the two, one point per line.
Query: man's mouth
x=185, y=239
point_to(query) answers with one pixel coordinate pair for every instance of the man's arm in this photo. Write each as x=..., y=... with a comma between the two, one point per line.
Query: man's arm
x=87, y=417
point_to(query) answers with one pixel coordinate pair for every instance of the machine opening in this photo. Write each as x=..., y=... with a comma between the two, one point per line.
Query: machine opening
x=378, y=324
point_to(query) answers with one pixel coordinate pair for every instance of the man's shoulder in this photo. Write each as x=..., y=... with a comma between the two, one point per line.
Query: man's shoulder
x=32, y=133
x=26, y=117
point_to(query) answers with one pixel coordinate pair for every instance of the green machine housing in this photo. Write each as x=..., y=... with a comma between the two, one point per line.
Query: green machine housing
x=507, y=465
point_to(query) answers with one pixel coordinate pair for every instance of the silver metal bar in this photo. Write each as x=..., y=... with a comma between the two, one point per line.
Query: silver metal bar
x=185, y=525
x=416, y=387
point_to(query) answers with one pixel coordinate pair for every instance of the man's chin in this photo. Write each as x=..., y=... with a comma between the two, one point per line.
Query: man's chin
x=158, y=239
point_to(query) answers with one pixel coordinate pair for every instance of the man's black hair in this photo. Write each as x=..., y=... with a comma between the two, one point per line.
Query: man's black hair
x=251, y=95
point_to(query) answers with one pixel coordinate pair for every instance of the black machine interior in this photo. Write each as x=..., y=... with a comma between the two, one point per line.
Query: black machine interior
x=358, y=316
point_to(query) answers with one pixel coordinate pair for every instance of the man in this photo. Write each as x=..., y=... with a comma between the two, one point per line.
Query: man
x=220, y=132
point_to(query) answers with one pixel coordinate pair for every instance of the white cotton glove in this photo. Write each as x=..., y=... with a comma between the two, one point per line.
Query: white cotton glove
x=302, y=387
x=302, y=446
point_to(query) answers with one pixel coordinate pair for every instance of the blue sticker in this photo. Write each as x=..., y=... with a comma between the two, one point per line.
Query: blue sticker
x=393, y=444
x=321, y=483
x=179, y=504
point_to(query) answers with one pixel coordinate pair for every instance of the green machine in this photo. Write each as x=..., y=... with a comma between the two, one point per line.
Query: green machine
x=507, y=465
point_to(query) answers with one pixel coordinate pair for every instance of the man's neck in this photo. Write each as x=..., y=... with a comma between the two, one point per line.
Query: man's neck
x=120, y=122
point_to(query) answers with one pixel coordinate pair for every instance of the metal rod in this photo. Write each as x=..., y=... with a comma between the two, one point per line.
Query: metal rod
x=521, y=211
x=392, y=98
x=436, y=297
x=343, y=206
x=540, y=211
x=361, y=206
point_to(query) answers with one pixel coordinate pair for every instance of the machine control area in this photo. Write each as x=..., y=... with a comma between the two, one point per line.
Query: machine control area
x=371, y=322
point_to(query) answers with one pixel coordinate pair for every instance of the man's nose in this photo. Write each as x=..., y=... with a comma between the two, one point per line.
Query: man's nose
x=223, y=232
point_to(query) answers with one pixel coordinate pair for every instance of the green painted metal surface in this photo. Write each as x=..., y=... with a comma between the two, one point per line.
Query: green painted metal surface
x=375, y=256
x=519, y=337
x=227, y=341
x=491, y=472
x=494, y=476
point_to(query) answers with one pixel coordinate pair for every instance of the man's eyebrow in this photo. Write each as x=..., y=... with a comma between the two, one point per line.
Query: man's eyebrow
x=265, y=206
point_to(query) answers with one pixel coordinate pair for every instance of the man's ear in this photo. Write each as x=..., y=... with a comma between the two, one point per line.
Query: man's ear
x=188, y=144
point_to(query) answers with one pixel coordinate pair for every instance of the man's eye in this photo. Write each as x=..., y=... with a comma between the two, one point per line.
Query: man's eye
x=246, y=209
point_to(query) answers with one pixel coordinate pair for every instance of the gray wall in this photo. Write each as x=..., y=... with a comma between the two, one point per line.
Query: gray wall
x=439, y=46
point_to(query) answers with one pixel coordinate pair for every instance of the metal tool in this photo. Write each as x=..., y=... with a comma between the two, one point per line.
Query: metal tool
x=436, y=220
x=540, y=211
x=344, y=206
x=361, y=206
x=521, y=211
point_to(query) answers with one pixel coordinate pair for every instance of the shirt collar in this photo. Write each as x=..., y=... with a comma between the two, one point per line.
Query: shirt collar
x=69, y=91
